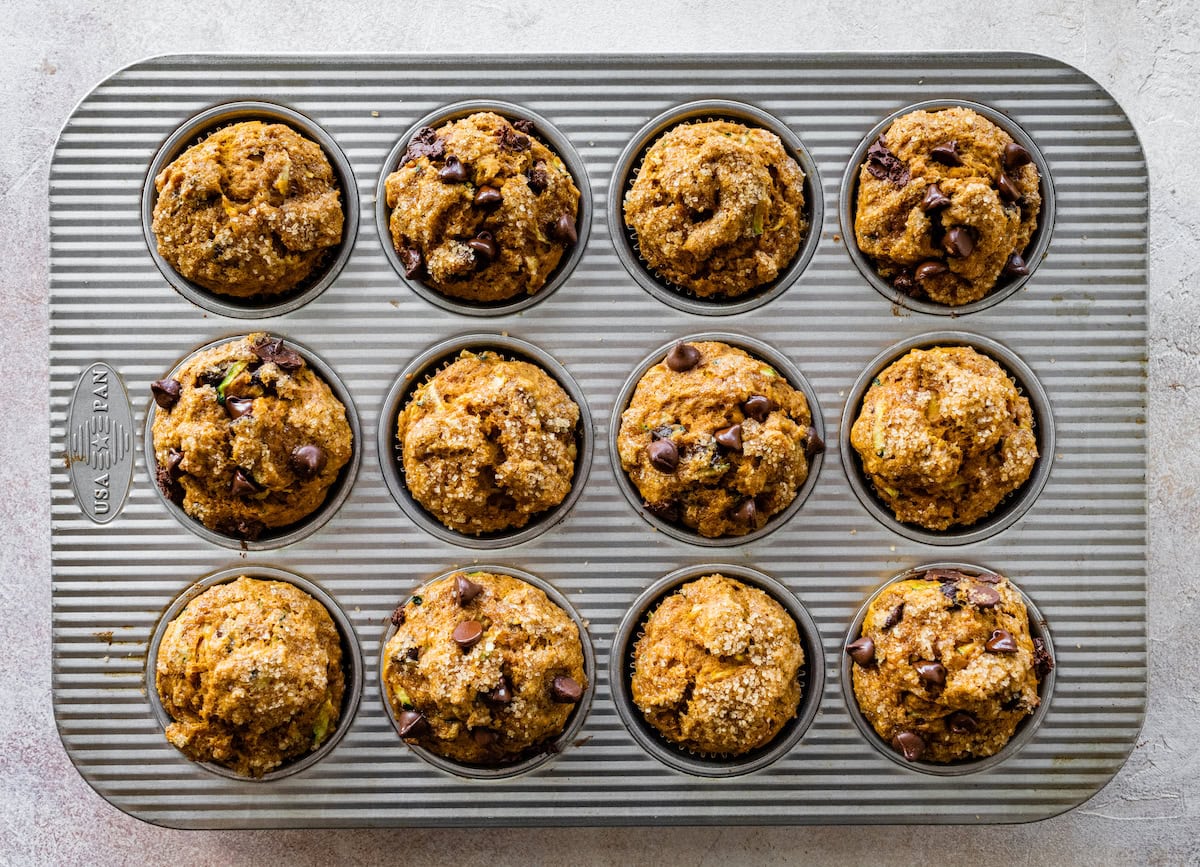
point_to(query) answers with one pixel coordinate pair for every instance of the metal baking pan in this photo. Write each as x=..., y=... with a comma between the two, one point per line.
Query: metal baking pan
x=119, y=558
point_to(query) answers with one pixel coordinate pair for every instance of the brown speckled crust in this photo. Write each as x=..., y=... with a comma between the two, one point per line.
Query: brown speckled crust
x=527, y=641
x=711, y=482
x=488, y=443
x=289, y=409
x=944, y=436
x=251, y=210
x=716, y=670
x=251, y=674
x=717, y=207
x=439, y=219
x=893, y=230
x=939, y=623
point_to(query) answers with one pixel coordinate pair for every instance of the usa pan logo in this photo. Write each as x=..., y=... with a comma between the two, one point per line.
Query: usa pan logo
x=99, y=448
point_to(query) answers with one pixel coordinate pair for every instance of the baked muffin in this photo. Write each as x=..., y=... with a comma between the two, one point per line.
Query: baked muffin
x=718, y=208
x=251, y=210
x=716, y=440
x=480, y=209
x=251, y=675
x=488, y=443
x=944, y=436
x=483, y=668
x=716, y=668
x=945, y=668
x=247, y=437
x=947, y=203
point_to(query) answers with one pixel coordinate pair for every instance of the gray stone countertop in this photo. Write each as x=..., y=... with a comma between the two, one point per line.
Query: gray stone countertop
x=1144, y=52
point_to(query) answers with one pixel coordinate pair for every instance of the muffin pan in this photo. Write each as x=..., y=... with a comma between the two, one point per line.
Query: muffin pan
x=1078, y=323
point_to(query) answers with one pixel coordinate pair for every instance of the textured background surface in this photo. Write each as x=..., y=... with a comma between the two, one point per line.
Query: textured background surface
x=1143, y=53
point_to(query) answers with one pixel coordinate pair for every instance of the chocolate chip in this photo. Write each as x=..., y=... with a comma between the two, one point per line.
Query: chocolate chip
x=747, y=513
x=1015, y=266
x=563, y=229
x=663, y=456
x=465, y=590
x=1002, y=641
x=211, y=377
x=758, y=407
x=166, y=481
x=909, y=744
x=511, y=140
x=904, y=283
x=307, y=461
x=667, y=510
x=813, y=444
x=1016, y=156
x=988, y=578
x=962, y=723
x=983, y=596
x=862, y=650
x=933, y=673
x=166, y=392
x=236, y=407
x=564, y=689
x=467, y=634
x=398, y=615
x=271, y=349
x=243, y=485
x=523, y=125
x=730, y=437
x=484, y=247
x=950, y=591
x=412, y=654
x=241, y=528
x=487, y=197
x=947, y=154
x=502, y=694
x=483, y=737
x=928, y=269
x=424, y=143
x=894, y=616
x=1043, y=664
x=412, y=724
x=663, y=432
x=453, y=172
x=885, y=165
x=1007, y=189
x=174, y=460
x=683, y=356
x=935, y=199
x=539, y=177
x=411, y=260
x=959, y=243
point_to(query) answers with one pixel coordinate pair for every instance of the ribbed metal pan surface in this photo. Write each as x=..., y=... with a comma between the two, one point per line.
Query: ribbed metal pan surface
x=1079, y=323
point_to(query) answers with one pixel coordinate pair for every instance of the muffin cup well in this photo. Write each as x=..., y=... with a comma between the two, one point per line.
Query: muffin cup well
x=759, y=350
x=198, y=128
x=1026, y=729
x=812, y=676
x=1034, y=252
x=547, y=751
x=352, y=664
x=281, y=536
x=1012, y=507
x=553, y=138
x=426, y=365
x=625, y=239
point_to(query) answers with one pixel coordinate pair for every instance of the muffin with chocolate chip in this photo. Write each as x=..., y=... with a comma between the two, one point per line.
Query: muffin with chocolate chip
x=488, y=443
x=247, y=438
x=716, y=669
x=947, y=203
x=716, y=439
x=481, y=209
x=944, y=436
x=945, y=668
x=483, y=668
x=251, y=675
x=717, y=207
x=250, y=211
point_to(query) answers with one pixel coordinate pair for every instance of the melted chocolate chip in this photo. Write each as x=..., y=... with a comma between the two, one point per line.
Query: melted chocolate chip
x=928, y=269
x=271, y=349
x=947, y=154
x=484, y=247
x=539, y=178
x=241, y=528
x=932, y=673
x=813, y=444
x=1015, y=266
x=1016, y=156
x=959, y=243
x=453, y=172
x=424, y=143
x=174, y=462
x=398, y=616
x=511, y=140
x=950, y=591
x=563, y=229
x=894, y=616
x=935, y=199
x=166, y=392
x=730, y=437
x=664, y=432
x=962, y=722
x=904, y=282
x=885, y=165
x=663, y=455
x=487, y=197
x=988, y=578
x=166, y=481
x=665, y=511
x=862, y=650
x=307, y=461
x=465, y=590
x=243, y=484
x=983, y=596
x=683, y=356
x=411, y=260
x=564, y=689
x=412, y=654
x=1043, y=664
x=467, y=634
x=236, y=407
x=483, y=737
x=758, y=407
x=523, y=125
x=1002, y=641
x=747, y=513
x=909, y=744
x=411, y=724
x=1007, y=189
x=502, y=694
